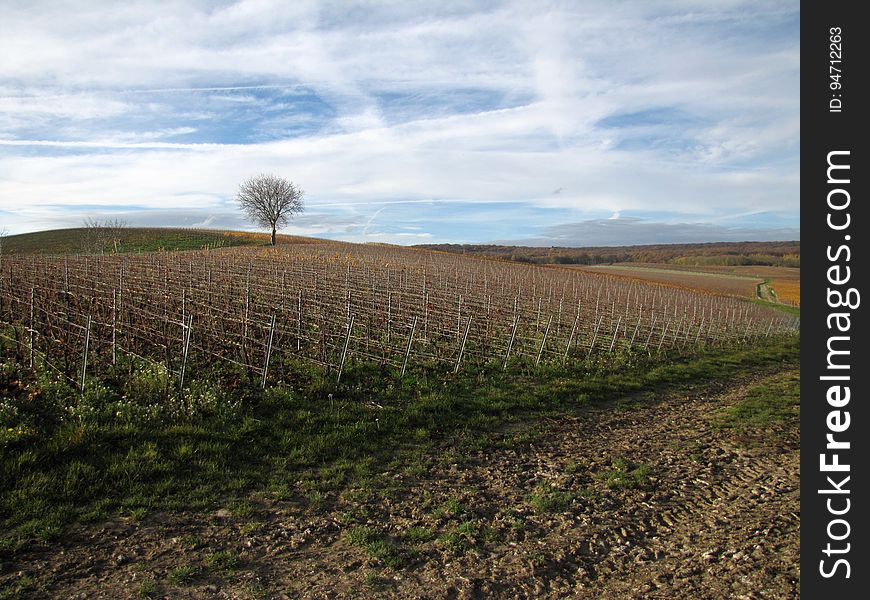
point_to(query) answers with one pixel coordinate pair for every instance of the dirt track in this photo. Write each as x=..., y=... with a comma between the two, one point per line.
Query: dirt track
x=710, y=515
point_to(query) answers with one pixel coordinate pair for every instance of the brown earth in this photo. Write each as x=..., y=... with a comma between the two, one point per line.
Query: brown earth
x=710, y=514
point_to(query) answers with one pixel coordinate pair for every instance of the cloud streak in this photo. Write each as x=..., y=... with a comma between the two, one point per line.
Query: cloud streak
x=567, y=113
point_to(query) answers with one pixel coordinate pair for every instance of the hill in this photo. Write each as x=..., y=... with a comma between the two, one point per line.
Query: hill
x=131, y=239
x=776, y=254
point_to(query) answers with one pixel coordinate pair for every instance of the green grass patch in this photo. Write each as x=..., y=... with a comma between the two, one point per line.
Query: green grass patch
x=625, y=475
x=183, y=575
x=775, y=399
x=90, y=462
x=377, y=546
x=223, y=560
x=547, y=499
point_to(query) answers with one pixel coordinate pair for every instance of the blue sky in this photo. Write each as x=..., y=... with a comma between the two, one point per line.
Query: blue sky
x=553, y=123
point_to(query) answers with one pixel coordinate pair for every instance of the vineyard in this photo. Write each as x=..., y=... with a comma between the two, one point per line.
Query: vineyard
x=329, y=304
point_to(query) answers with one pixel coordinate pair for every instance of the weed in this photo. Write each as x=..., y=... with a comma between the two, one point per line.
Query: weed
x=194, y=542
x=376, y=546
x=451, y=508
x=147, y=588
x=547, y=499
x=775, y=399
x=625, y=475
x=183, y=575
x=223, y=560
x=374, y=582
x=419, y=535
x=18, y=588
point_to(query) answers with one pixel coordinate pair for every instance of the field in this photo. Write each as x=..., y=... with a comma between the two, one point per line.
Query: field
x=325, y=418
x=778, y=284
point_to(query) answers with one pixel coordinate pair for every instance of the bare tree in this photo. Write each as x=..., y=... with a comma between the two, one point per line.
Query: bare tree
x=270, y=201
x=115, y=230
x=99, y=235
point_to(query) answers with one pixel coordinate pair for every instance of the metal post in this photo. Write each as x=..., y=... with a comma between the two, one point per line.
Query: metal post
x=571, y=338
x=462, y=348
x=664, y=333
x=408, y=349
x=595, y=336
x=511, y=344
x=269, y=351
x=636, y=328
x=185, y=348
x=32, y=295
x=615, y=333
x=85, y=354
x=651, y=329
x=299, y=324
x=544, y=341
x=344, y=352
x=114, y=321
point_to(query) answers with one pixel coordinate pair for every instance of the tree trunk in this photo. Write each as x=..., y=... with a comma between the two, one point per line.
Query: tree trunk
x=273, y=235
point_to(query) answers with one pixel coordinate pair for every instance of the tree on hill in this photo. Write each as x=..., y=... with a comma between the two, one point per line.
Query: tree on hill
x=270, y=201
x=98, y=236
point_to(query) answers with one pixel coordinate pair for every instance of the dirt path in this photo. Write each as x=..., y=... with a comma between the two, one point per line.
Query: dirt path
x=646, y=499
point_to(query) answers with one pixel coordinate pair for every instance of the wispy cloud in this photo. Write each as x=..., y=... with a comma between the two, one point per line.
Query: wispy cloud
x=538, y=114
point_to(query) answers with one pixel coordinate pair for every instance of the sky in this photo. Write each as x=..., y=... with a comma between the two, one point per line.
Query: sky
x=573, y=123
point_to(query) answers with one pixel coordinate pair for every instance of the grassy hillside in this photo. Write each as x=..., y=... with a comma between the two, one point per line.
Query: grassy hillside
x=130, y=239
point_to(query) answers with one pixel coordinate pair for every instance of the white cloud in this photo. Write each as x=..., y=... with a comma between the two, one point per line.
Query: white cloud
x=95, y=97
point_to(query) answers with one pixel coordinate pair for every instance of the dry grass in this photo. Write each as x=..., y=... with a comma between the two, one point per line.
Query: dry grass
x=787, y=290
x=717, y=283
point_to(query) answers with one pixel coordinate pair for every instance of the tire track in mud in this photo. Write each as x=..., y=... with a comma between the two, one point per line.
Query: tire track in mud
x=715, y=516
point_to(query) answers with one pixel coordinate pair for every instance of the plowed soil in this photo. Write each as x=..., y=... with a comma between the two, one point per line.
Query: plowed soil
x=643, y=498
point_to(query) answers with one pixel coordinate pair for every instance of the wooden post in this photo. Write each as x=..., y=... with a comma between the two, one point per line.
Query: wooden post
x=344, y=352
x=410, y=340
x=269, y=351
x=185, y=348
x=511, y=344
x=85, y=353
x=544, y=341
x=462, y=348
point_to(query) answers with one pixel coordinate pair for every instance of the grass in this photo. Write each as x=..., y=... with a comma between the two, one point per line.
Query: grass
x=547, y=499
x=132, y=239
x=136, y=239
x=19, y=588
x=377, y=546
x=147, y=588
x=625, y=475
x=287, y=442
x=776, y=399
x=223, y=561
x=183, y=575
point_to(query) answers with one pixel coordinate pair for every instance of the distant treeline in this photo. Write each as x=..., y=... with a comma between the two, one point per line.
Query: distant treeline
x=776, y=254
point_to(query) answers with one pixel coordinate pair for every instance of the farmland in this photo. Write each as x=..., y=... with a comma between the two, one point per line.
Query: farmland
x=776, y=284
x=403, y=422
x=323, y=303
